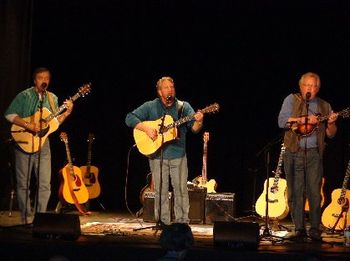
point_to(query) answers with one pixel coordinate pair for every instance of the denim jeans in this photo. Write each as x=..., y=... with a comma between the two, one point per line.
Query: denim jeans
x=177, y=170
x=25, y=164
x=304, y=172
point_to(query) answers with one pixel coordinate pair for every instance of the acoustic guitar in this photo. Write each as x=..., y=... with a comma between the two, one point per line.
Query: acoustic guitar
x=72, y=190
x=29, y=141
x=277, y=194
x=167, y=133
x=305, y=130
x=202, y=181
x=307, y=206
x=90, y=173
x=337, y=215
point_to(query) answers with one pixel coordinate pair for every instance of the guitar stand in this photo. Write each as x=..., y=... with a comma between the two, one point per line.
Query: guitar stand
x=344, y=209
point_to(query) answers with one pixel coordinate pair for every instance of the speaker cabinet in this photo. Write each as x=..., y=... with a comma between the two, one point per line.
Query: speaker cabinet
x=51, y=225
x=236, y=235
x=219, y=207
x=197, y=205
x=148, y=206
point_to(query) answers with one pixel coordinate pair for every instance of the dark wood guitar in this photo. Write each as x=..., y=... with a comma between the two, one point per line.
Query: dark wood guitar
x=29, y=141
x=147, y=146
x=337, y=215
x=277, y=194
x=72, y=190
x=90, y=173
x=306, y=130
x=202, y=181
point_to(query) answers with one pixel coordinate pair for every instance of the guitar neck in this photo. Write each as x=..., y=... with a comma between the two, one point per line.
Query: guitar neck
x=278, y=170
x=69, y=158
x=61, y=108
x=346, y=181
x=204, y=166
x=178, y=122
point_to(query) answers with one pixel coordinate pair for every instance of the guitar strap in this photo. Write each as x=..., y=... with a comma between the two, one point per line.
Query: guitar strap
x=52, y=103
x=179, y=108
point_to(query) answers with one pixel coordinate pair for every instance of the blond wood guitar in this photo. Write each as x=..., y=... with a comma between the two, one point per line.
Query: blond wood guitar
x=72, y=189
x=307, y=206
x=168, y=133
x=202, y=181
x=277, y=194
x=29, y=141
x=90, y=173
x=337, y=215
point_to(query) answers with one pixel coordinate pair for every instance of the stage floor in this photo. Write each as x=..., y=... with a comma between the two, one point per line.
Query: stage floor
x=120, y=235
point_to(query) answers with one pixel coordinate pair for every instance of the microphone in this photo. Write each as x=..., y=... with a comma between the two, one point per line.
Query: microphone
x=169, y=99
x=307, y=96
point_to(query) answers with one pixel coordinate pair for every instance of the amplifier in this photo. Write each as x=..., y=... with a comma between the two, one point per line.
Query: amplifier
x=148, y=206
x=197, y=203
x=220, y=207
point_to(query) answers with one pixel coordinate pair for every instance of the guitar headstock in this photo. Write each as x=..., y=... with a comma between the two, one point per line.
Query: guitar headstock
x=64, y=137
x=345, y=113
x=206, y=137
x=211, y=108
x=91, y=137
x=84, y=89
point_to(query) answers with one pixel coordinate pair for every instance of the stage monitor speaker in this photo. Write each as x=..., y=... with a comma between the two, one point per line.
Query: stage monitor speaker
x=148, y=206
x=236, y=235
x=51, y=225
x=197, y=203
x=220, y=207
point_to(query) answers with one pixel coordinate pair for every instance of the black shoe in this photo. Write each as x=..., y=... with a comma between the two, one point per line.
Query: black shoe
x=315, y=234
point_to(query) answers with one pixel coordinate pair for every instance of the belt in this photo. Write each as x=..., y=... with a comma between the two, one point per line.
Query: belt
x=307, y=149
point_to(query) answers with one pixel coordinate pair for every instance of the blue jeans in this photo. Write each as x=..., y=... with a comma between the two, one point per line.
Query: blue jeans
x=177, y=170
x=24, y=165
x=304, y=172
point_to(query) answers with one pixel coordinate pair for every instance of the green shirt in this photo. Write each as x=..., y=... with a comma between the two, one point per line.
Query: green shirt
x=27, y=102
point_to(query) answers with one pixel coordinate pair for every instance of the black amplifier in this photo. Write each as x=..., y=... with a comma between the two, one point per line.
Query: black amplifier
x=220, y=207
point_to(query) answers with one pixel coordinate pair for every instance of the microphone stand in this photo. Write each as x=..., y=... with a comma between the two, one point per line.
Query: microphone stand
x=42, y=95
x=159, y=225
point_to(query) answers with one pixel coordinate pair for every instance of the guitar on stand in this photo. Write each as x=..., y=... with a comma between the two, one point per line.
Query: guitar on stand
x=72, y=189
x=277, y=200
x=336, y=216
x=307, y=206
x=90, y=173
x=202, y=181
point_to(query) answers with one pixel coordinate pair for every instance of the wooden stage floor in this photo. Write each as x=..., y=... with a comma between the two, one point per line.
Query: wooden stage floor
x=121, y=236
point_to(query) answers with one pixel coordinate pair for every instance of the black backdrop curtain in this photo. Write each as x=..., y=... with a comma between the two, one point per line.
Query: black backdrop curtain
x=15, y=50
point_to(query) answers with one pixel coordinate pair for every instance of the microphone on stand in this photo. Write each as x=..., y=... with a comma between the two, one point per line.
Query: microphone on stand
x=307, y=96
x=169, y=99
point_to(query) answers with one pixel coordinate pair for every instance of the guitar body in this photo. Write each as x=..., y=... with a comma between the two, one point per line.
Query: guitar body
x=28, y=141
x=210, y=185
x=307, y=207
x=146, y=145
x=72, y=181
x=90, y=179
x=333, y=210
x=277, y=200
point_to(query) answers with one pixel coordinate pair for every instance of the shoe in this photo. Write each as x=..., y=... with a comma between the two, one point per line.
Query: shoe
x=298, y=235
x=315, y=234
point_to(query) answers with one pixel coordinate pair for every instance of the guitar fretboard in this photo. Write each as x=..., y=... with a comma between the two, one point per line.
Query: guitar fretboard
x=345, y=182
x=278, y=170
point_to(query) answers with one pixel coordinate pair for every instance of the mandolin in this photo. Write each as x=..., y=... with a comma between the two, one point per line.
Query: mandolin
x=305, y=130
x=90, y=173
x=72, y=190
